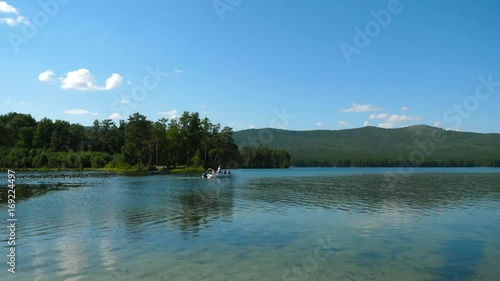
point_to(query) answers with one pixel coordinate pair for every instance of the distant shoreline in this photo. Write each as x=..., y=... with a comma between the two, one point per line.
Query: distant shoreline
x=197, y=170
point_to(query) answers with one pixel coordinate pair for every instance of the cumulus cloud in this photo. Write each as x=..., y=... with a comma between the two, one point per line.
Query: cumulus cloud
x=251, y=127
x=356, y=107
x=365, y=124
x=378, y=116
x=437, y=124
x=113, y=82
x=14, y=21
x=171, y=113
x=124, y=101
x=402, y=118
x=343, y=123
x=7, y=9
x=405, y=108
x=47, y=76
x=386, y=125
x=77, y=111
x=319, y=123
x=115, y=116
x=233, y=124
x=14, y=17
x=83, y=80
x=395, y=119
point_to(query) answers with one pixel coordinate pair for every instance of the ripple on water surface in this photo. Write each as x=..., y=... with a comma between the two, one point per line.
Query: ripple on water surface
x=297, y=224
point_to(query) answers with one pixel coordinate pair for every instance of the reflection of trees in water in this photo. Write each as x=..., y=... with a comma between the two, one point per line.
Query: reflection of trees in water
x=372, y=192
x=196, y=208
x=188, y=208
x=26, y=191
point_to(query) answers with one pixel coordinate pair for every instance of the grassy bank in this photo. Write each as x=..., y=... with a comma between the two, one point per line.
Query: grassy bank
x=116, y=170
x=188, y=170
x=132, y=169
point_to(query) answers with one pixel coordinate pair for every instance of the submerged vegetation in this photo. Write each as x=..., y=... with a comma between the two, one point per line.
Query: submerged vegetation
x=189, y=142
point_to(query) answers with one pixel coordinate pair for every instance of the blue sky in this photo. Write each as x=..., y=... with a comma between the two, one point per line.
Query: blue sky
x=290, y=64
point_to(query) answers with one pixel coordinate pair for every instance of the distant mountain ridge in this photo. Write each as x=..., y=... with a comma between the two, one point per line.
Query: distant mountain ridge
x=420, y=145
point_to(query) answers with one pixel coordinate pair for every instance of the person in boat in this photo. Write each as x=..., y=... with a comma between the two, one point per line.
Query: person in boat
x=218, y=170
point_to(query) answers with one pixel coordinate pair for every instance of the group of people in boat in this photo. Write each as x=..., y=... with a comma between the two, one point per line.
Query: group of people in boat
x=219, y=171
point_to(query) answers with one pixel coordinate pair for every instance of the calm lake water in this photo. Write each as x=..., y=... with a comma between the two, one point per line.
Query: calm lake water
x=295, y=224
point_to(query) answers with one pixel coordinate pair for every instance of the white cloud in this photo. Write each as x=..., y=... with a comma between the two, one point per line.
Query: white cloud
x=46, y=76
x=402, y=118
x=129, y=82
x=171, y=113
x=404, y=108
x=386, y=125
x=124, y=101
x=11, y=100
x=356, y=107
x=178, y=71
x=365, y=124
x=83, y=80
x=251, y=127
x=437, y=124
x=319, y=123
x=14, y=21
x=343, y=123
x=208, y=112
x=77, y=111
x=115, y=115
x=113, y=82
x=5, y=8
x=395, y=118
x=378, y=116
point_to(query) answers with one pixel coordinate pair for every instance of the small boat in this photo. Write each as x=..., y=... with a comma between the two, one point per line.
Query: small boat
x=210, y=174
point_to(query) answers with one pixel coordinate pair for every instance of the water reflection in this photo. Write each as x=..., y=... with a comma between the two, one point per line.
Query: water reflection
x=371, y=193
x=432, y=226
x=27, y=191
x=197, y=207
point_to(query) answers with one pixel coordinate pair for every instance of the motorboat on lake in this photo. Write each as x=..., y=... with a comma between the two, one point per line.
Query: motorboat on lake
x=211, y=173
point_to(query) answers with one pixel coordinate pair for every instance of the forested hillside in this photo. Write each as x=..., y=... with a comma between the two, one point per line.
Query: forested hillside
x=370, y=146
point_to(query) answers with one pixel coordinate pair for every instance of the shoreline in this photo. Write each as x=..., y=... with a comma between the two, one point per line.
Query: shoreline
x=201, y=170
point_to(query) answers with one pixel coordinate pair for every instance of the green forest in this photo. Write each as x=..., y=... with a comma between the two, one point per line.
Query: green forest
x=419, y=145
x=136, y=144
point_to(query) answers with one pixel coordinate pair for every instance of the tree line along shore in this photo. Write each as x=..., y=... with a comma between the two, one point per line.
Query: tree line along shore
x=188, y=143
